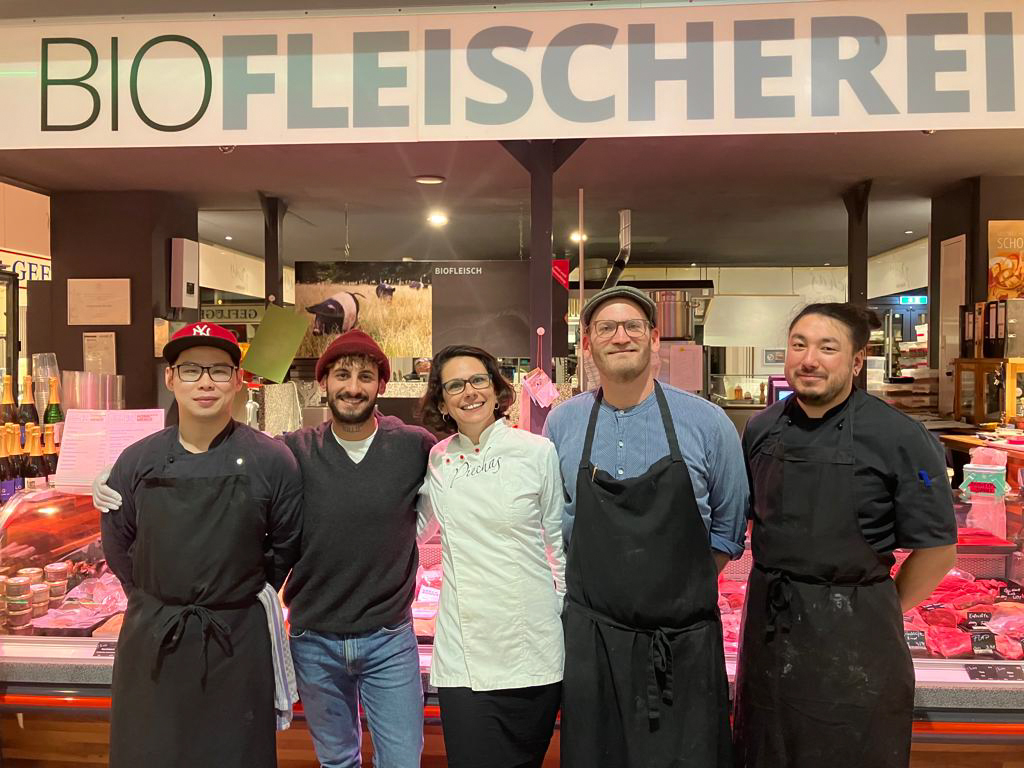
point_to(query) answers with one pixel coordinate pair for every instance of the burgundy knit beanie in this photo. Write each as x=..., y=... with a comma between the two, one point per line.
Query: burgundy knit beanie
x=354, y=342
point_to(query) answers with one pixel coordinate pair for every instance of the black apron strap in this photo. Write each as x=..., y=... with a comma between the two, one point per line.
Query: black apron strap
x=588, y=443
x=666, y=420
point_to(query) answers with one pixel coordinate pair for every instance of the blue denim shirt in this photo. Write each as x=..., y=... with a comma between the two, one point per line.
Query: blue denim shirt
x=628, y=442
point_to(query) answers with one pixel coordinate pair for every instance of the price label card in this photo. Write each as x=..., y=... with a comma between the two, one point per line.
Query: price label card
x=105, y=649
x=915, y=639
x=1011, y=593
x=983, y=643
x=1013, y=672
x=981, y=671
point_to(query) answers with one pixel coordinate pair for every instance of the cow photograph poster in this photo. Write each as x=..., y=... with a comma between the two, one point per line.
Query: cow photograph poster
x=389, y=300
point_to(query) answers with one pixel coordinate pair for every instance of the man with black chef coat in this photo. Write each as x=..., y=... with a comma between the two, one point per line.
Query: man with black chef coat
x=656, y=505
x=210, y=511
x=839, y=479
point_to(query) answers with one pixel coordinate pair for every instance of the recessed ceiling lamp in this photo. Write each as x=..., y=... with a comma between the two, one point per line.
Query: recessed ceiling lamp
x=828, y=263
x=576, y=237
x=228, y=237
x=693, y=263
x=908, y=232
x=437, y=218
x=429, y=179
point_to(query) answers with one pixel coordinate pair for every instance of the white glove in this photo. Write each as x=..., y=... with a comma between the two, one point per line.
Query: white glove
x=105, y=498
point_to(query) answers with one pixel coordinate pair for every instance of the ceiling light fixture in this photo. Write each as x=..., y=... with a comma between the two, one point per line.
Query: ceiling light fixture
x=437, y=218
x=429, y=179
x=575, y=237
x=228, y=237
x=908, y=232
x=828, y=264
x=693, y=263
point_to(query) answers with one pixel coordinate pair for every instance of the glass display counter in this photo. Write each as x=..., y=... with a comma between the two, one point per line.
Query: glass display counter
x=967, y=639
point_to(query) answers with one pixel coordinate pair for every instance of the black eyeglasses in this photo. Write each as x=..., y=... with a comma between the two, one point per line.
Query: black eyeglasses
x=219, y=372
x=476, y=381
x=606, y=329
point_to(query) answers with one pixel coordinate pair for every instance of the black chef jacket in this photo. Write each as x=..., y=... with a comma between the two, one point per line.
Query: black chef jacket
x=898, y=467
x=275, y=483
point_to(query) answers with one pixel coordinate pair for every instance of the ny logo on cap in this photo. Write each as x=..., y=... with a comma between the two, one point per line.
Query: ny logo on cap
x=201, y=330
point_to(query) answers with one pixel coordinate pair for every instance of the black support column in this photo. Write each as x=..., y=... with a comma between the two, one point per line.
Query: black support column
x=541, y=158
x=856, y=200
x=274, y=209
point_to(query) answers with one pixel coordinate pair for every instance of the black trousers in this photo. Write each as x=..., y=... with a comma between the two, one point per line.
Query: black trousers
x=498, y=729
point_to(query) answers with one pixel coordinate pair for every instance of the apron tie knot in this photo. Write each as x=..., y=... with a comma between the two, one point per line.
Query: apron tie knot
x=659, y=675
x=170, y=632
x=780, y=597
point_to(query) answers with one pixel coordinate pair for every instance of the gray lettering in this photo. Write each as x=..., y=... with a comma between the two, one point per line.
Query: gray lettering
x=239, y=83
x=437, y=75
x=555, y=74
x=752, y=67
x=301, y=112
x=924, y=62
x=999, y=75
x=516, y=84
x=369, y=77
x=697, y=68
x=827, y=69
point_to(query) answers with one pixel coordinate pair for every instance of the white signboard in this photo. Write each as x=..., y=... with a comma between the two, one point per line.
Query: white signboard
x=642, y=71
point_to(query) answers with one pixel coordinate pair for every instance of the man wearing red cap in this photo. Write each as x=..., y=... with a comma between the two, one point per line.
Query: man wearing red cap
x=350, y=592
x=210, y=511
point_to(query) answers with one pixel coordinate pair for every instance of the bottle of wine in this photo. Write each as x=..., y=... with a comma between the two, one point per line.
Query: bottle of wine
x=53, y=413
x=27, y=413
x=8, y=408
x=49, y=450
x=6, y=476
x=36, y=472
x=14, y=452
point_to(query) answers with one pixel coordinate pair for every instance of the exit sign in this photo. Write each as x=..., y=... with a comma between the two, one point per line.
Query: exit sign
x=913, y=299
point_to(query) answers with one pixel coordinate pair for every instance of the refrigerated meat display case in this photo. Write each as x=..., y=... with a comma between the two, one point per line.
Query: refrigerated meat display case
x=55, y=669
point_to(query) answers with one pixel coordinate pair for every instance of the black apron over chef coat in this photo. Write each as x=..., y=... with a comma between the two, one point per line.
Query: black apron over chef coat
x=193, y=681
x=645, y=683
x=825, y=677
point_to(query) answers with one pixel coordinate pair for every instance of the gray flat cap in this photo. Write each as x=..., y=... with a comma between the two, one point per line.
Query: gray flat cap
x=620, y=292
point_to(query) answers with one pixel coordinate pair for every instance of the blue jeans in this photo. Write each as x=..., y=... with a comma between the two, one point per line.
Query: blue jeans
x=381, y=669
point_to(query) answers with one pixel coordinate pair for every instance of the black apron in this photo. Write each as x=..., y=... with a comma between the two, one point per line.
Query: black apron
x=645, y=683
x=193, y=679
x=825, y=676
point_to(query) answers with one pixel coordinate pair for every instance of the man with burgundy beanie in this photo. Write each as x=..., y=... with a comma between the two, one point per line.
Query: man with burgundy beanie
x=350, y=591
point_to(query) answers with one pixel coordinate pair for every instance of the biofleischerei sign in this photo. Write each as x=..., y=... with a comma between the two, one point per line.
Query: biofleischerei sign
x=765, y=68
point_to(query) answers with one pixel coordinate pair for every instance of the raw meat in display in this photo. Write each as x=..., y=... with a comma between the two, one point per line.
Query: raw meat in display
x=979, y=537
x=912, y=620
x=1008, y=609
x=939, y=616
x=1011, y=626
x=1010, y=648
x=731, y=632
x=735, y=592
x=949, y=642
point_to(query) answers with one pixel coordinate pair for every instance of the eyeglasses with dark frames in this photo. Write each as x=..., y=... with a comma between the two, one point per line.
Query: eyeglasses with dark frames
x=476, y=381
x=606, y=329
x=218, y=372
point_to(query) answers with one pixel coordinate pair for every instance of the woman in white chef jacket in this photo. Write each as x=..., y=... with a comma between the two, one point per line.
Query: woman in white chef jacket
x=497, y=494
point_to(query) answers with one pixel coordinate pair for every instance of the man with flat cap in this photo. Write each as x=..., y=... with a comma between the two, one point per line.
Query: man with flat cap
x=351, y=592
x=656, y=506
x=205, y=514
